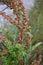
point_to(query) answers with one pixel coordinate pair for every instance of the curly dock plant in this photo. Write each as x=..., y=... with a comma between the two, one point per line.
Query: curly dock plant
x=18, y=39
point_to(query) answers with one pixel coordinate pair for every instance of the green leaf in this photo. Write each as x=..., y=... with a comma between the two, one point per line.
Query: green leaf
x=36, y=45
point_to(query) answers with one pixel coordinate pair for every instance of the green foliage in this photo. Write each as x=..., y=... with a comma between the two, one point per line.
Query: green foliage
x=15, y=54
x=11, y=34
x=36, y=20
x=16, y=51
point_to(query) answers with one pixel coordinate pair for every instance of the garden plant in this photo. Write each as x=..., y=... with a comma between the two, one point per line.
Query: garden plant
x=16, y=43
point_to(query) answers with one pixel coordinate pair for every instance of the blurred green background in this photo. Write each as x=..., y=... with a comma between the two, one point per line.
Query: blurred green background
x=36, y=20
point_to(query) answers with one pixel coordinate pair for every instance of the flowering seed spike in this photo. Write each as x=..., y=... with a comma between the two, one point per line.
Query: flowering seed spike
x=18, y=10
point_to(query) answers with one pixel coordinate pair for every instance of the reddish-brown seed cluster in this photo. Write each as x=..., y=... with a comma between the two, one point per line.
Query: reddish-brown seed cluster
x=9, y=18
x=18, y=7
x=4, y=52
x=38, y=61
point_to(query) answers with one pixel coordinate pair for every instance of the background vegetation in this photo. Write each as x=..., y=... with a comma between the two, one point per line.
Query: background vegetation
x=36, y=20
